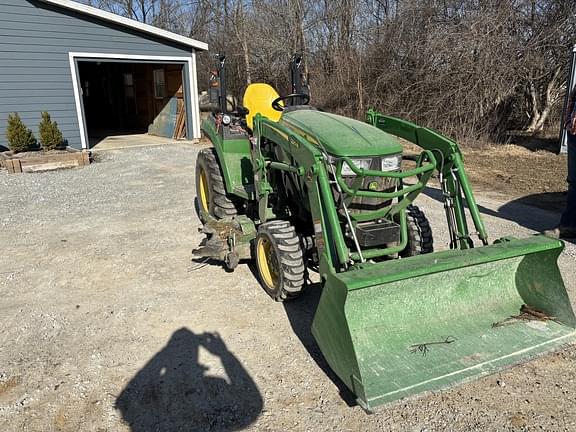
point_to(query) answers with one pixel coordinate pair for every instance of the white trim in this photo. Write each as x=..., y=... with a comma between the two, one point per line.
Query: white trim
x=194, y=102
x=126, y=22
x=97, y=56
x=78, y=102
x=192, y=85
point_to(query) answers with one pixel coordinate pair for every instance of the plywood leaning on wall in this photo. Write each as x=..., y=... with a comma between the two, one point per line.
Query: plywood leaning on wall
x=180, y=129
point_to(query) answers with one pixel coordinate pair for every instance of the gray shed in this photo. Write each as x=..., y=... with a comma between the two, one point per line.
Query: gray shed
x=95, y=72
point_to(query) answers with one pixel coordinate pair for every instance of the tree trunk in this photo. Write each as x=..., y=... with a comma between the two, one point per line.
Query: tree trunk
x=246, y=53
x=551, y=97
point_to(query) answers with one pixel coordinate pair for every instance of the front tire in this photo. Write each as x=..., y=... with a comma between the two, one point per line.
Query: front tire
x=210, y=190
x=420, y=240
x=279, y=260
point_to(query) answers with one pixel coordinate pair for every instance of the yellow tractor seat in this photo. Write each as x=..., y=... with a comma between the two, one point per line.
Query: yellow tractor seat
x=258, y=98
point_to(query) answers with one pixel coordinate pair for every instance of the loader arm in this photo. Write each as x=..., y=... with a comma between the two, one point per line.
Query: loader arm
x=456, y=189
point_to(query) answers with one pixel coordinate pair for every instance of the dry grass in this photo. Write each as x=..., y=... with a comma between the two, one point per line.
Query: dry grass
x=518, y=172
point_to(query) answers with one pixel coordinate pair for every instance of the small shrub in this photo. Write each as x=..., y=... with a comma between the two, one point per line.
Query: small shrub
x=20, y=138
x=50, y=136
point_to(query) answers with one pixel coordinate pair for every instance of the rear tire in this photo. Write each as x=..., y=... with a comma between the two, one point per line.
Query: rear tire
x=420, y=240
x=210, y=190
x=279, y=260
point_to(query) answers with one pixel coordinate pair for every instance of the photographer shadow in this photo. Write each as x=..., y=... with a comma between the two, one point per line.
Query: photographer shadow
x=173, y=391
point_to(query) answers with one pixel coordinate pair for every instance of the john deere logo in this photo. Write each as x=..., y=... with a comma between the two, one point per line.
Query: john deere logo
x=373, y=186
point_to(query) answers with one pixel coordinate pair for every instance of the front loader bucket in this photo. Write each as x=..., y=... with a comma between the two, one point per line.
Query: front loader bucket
x=406, y=326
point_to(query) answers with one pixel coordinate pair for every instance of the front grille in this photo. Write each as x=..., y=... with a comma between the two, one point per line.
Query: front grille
x=365, y=204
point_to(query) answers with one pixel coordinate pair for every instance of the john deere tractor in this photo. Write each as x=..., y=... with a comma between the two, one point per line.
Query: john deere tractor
x=297, y=189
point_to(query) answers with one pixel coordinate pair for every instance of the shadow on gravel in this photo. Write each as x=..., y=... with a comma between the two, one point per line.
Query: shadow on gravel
x=518, y=210
x=300, y=312
x=173, y=391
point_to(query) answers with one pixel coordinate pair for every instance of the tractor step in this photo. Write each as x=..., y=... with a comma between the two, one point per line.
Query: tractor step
x=247, y=189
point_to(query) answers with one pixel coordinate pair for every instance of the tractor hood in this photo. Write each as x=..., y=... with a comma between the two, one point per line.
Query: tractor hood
x=340, y=136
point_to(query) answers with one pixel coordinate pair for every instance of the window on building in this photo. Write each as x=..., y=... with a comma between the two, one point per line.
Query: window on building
x=159, y=84
x=129, y=85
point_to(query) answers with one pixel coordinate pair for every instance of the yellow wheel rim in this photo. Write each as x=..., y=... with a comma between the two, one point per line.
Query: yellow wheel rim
x=203, y=189
x=267, y=263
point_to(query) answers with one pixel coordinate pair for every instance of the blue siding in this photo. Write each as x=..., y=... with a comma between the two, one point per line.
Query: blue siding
x=35, y=39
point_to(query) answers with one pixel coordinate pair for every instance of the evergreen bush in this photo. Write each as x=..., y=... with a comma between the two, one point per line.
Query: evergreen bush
x=50, y=136
x=20, y=138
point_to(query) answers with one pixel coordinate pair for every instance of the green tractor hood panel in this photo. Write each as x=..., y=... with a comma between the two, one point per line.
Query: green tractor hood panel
x=341, y=136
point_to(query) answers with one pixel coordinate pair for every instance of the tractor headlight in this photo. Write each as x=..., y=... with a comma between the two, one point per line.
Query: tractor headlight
x=360, y=163
x=391, y=163
x=385, y=163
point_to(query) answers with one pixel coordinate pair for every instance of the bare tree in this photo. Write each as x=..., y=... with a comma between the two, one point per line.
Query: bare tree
x=466, y=67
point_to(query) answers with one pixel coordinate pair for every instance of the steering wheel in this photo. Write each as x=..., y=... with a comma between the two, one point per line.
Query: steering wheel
x=276, y=102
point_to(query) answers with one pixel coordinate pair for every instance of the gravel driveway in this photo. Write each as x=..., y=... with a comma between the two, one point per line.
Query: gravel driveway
x=107, y=325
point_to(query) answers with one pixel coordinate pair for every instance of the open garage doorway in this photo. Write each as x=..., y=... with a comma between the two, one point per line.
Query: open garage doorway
x=132, y=98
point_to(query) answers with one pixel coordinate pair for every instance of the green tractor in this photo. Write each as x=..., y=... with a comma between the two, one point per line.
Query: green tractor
x=298, y=189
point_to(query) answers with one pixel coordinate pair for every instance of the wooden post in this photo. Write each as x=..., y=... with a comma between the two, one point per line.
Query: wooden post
x=85, y=158
x=14, y=166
